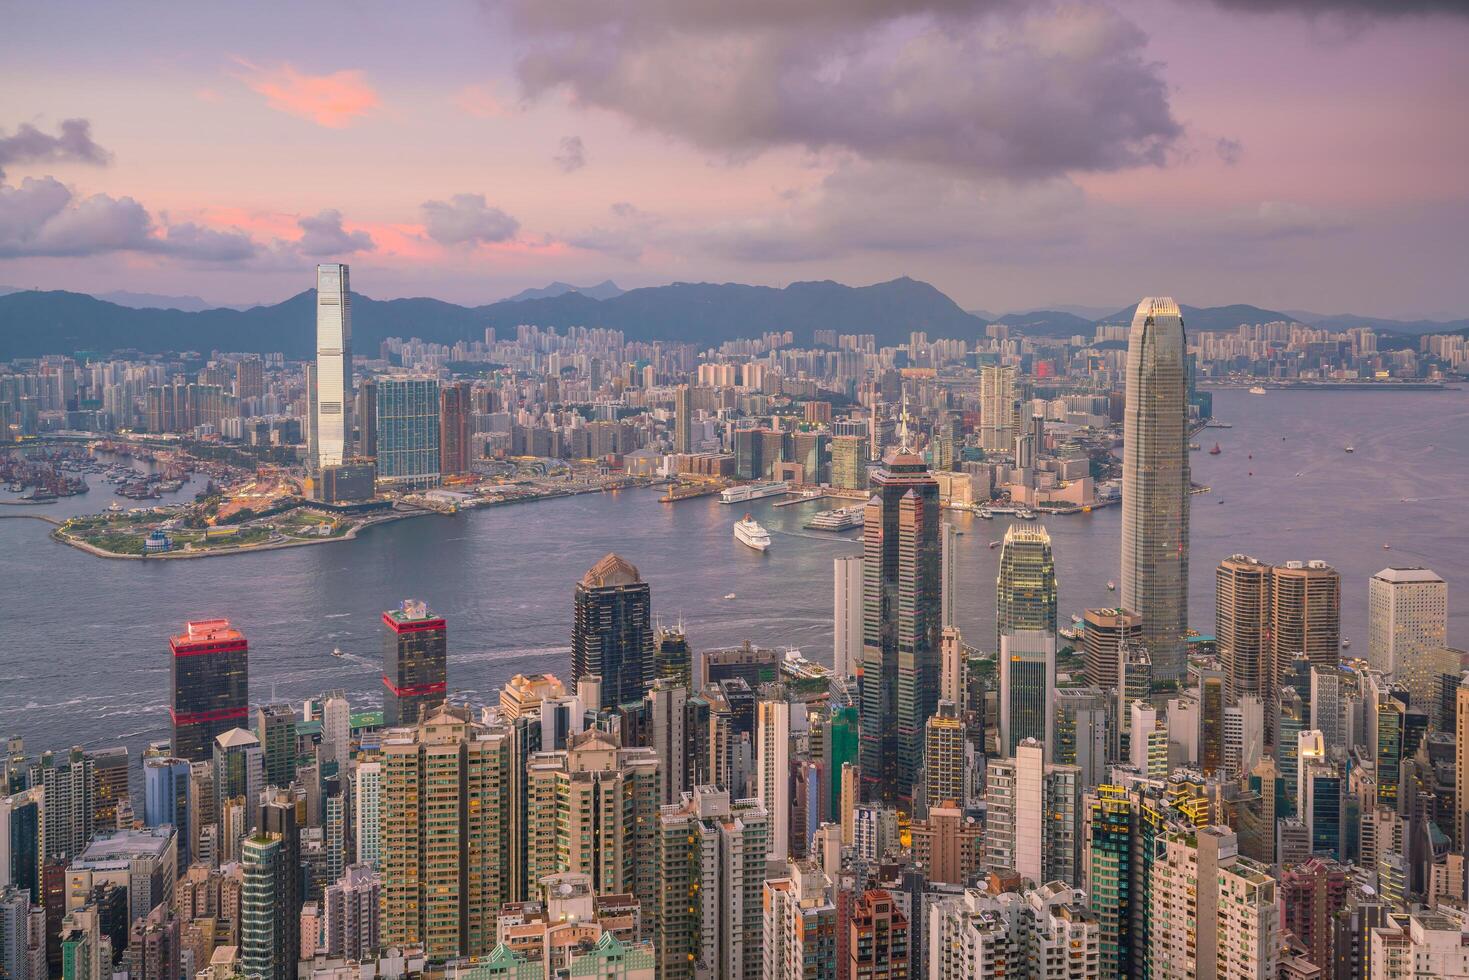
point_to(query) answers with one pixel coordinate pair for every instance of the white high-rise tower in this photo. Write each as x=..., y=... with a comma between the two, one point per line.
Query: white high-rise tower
x=331, y=403
x=1155, y=484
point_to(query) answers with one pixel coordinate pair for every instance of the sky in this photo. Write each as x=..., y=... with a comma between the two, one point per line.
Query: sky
x=1018, y=154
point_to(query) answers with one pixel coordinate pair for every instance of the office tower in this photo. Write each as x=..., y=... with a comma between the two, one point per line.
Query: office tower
x=612, y=633
x=666, y=705
x=1027, y=688
x=773, y=770
x=1104, y=633
x=166, y=800
x=952, y=668
x=997, y=405
x=445, y=859
x=1000, y=804
x=1387, y=741
x=673, y=658
x=1109, y=862
x=945, y=767
x=1334, y=704
x=1148, y=747
x=1134, y=683
x=210, y=686
x=455, y=453
x=901, y=604
x=1025, y=589
x=1212, y=699
x=1244, y=736
x=263, y=913
x=407, y=420
x=1292, y=726
x=1213, y=912
x=365, y=415
x=1155, y=484
x=874, y=832
x=683, y=420
x=110, y=774
x=1305, y=617
x=331, y=419
x=350, y=914
x=839, y=750
x=367, y=788
x=848, y=463
x=1407, y=609
x=415, y=663
x=1030, y=814
x=949, y=557
x=1242, y=626
x=799, y=940
x=275, y=727
x=68, y=783
x=877, y=938
x=22, y=841
x=1079, y=731
x=574, y=825
x=847, y=615
x=1043, y=933
x=710, y=878
x=1322, y=787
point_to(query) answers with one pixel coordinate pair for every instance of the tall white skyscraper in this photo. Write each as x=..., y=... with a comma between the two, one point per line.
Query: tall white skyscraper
x=331, y=401
x=1155, y=484
x=773, y=771
x=950, y=573
x=848, y=613
x=1407, y=612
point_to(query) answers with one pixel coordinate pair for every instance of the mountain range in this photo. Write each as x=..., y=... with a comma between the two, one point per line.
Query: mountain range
x=34, y=322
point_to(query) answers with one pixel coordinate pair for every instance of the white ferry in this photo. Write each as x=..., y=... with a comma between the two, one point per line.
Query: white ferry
x=752, y=491
x=1257, y=390
x=749, y=533
x=841, y=519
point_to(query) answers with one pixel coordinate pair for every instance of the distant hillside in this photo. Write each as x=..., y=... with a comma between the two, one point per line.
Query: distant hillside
x=1344, y=321
x=1211, y=317
x=33, y=323
x=1049, y=323
x=602, y=290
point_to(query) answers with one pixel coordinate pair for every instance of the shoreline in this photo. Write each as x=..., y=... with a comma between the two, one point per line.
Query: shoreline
x=351, y=532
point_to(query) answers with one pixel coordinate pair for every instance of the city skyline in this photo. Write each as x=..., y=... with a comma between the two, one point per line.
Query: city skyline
x=470, y=155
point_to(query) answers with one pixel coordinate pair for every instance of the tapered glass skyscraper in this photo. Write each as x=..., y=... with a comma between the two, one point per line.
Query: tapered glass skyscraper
x=331, y=402
x=1025, y=588
x=1155, y=484
x=901, y=623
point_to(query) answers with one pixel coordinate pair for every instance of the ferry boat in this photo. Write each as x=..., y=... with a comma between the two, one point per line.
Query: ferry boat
x=749, y=533
x=1257, y=390
x=1111, y=586
x=1025, y=514
x=1351, y=449
x=753, y=491
x=841, y=519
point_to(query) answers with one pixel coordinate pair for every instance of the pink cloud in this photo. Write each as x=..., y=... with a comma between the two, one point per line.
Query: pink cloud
x=334, y=100
x=481, y=102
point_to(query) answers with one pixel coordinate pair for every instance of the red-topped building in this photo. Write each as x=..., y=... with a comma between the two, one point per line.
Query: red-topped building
x=415, y=663
x=210, y=686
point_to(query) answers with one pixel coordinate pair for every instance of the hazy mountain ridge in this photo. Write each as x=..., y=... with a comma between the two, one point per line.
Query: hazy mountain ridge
x=34, y=322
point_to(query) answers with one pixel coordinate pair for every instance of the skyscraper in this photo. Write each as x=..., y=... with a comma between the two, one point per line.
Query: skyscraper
x=455, y=455
x=408, y=431
x=847, y=615
x=1027, y=689
x=1242, y=626
x=901, y=611
x=261, y=908
x=773, y=769
x=997, y=405
x=1105, y=633
x=415, y=663
x=950, y=573
x=1305, y=604
x=683, y=420
x=1407, y=610
x=612, y=633
x=445, y=834
x=1155, y=484
x=210, y=668
x=331, y=420
x=1025, y=588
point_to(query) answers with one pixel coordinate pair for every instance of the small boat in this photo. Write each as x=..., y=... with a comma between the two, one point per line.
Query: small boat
x=1025, y=514
x=1351, y=449
x=1076, y=619
x=1249, y=455
x=1215, y=451
x=1345, y=643
x=985, y=514
x=994, y=544
x=337, y=652
x=1111, y=586
x=730, y=595
x=1257, y=390
x=1387, y=547
x=114, y=508
x=1194, y=445
x=749, y=533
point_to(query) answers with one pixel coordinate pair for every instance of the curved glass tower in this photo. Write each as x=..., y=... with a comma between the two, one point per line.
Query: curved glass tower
x=1155, y=483
x=331, y=421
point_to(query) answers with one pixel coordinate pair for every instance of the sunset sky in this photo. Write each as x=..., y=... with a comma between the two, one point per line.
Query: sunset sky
x=1296, y=155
